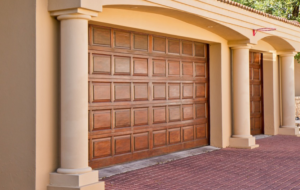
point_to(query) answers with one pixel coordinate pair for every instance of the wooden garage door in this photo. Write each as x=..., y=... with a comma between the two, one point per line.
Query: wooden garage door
x=148, y=95
x=256, y=94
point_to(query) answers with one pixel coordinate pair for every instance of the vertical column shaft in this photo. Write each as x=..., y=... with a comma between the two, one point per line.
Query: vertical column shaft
x=241, y=93
x=288, y=90
x=74, y=94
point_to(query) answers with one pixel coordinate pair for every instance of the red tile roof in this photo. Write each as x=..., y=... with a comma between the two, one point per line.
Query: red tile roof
x=295, y=23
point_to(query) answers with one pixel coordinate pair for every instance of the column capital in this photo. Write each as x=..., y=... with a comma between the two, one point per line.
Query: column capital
x=74, y=7
x=240, y=46
x=287, y=53
x=74, y=16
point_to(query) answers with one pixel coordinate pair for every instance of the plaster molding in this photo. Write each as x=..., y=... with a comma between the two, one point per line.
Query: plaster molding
x=240, y=46
x=66, y=7
x=74, y=16
x=74, y=171
x=56, y=5
x=290, y=53
x=74, y=11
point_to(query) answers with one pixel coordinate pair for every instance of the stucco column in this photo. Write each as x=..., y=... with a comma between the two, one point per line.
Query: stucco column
x=241, y=137
x=288, y=94
x=74, y=171
x=74, y=96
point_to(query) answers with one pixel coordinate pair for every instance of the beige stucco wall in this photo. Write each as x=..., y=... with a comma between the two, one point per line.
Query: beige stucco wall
x=17, y=94
x=297, y=78
x=271, y=94
x=29, y=94
x=220, y=95
x=47, y=94
x=29, y=81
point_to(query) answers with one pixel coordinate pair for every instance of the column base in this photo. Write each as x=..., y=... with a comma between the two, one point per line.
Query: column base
x=85, y=181
x=245, y=143
x=294, y=131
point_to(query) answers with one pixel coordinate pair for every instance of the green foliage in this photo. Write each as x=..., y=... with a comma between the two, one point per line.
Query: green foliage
x=283, y=8
x=297, y=57
x=288, y=9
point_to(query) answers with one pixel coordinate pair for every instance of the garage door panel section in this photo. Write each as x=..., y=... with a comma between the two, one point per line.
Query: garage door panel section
x=148, y=95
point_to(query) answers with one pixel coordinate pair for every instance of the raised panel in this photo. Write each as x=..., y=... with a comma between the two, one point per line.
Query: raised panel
x=200, y=70
x=257, y=123
x=140, y=116
x=159, y=114
x=174, y=113
x=174, y=136
x=200, y=50
x=200, y=131
x=187, y=68
x=142, y=101
x=187, y=48
x=141, y=141
x=188, y=133
x=140, y=41
x=122, y=118
x=140, y=67
x=201, y=111
x=122, y=65
x=187, y=112
x=122, y=91
x=174, y=68
x=122, y=144
x=159, y=138
x=102, y=120
x=256, y=90
x=174, y=91
x=256, y=107
x=159, y=44
x=102, y=64
x=159, y=67
x=101, y=92
x=102, y=36
x=122, y=39
x=256, y=74
x=102, y=147
x=159, y=91
x=174, y=46
x=187, y=91
x=140, y=91
x=257, y=58
x=200, y=90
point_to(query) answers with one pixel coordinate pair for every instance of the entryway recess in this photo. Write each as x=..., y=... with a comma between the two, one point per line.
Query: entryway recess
x=148, y=95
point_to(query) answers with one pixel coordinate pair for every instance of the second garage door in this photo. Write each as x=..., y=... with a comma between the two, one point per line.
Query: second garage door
x=148, y=95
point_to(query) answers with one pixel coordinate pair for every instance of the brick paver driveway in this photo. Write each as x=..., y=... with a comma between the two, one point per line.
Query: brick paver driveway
x=274, y=165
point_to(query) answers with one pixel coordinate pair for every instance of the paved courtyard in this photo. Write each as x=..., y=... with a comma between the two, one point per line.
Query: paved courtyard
x=274, y=165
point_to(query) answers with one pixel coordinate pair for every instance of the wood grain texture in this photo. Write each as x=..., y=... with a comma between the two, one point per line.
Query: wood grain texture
x=148, y=95
x=256, y=94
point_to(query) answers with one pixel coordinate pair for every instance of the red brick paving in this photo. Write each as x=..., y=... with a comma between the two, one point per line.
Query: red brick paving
x=274, y=165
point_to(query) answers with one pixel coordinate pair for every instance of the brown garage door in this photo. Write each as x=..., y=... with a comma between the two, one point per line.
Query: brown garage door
x=256, y=94
x=148, y=95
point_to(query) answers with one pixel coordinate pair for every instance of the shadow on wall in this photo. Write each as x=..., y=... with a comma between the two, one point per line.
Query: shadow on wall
x=297, y=79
